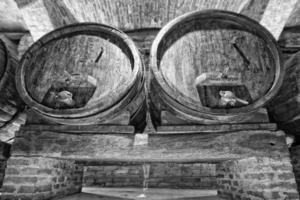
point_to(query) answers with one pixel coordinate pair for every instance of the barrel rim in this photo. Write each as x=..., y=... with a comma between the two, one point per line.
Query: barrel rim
x=192, y=106
x=77, y=29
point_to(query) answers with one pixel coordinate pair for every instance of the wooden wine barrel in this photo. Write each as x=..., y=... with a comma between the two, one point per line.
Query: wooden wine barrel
x=10, y=103
x=83, y=74
x=213, y=66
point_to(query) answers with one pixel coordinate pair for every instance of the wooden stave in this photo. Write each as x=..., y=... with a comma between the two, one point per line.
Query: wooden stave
x=190, y=109
x=133, y=93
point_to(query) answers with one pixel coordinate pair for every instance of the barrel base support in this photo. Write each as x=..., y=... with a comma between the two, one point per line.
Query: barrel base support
x=76, y=129
x=34, y=117
x=168, y=118
x=216, y=128
x=249, y=164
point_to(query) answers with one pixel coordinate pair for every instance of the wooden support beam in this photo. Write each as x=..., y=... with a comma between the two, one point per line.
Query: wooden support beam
x=290, y=38
x=217, y=128
x=294, y=19
x=36, y=17
x=276, y=15
x=93, y=129
x=255, y=9
x=198, y=147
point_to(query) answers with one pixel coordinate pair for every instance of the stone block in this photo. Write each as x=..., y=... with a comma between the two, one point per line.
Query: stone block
x=8, y=188
x=26, y=189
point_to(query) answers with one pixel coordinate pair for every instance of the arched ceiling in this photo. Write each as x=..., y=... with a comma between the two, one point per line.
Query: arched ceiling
x=42, y=16
x=11, y=19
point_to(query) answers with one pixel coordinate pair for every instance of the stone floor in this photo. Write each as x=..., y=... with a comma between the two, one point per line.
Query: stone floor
x=93, y=193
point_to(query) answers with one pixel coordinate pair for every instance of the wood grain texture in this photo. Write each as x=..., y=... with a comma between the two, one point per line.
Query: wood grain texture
x=211, y=51
x=290, y=38
x=142, y=14
x=294, y=19
x=274, y=19
x=169, y=118
x=214, y=128
x=210, y=44
x=73, y=129
x=58, y=60
x=127, y=15
x=255, y=9
x=163, y=148
x=132, y=14
x=35, y=17
x=83, y=74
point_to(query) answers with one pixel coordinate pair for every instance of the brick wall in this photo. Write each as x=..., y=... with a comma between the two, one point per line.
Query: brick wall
x=295, y=156
x=162, y=175
x=257, y=178
x=2, y=171
x=40, y=178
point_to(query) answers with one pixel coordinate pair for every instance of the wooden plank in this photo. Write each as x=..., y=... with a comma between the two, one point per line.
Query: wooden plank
x=171, y=118
x=93, y=129
x=171, y=148
x=294, y=19
x=200, y=129
x=290, y=38
x=36, y=17
x=255, y=9
x=276, y=15
x=125, y=162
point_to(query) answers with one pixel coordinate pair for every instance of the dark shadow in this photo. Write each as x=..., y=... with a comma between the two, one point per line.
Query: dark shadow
x=21, y=4
x=197, y=198
x=87, y=196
